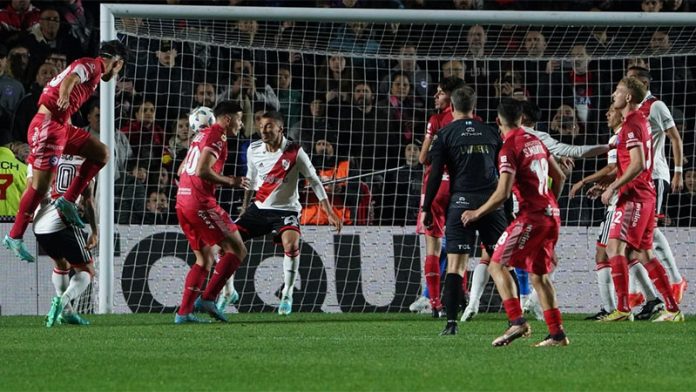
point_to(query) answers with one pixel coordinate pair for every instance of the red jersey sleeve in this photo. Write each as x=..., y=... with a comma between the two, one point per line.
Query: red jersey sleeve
x=507, y=161
x=433, y=125
x=215, y=142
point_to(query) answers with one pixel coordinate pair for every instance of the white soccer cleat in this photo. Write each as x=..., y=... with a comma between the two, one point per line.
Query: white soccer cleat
x=532, y=305
x=418, y=305
x=470, y=312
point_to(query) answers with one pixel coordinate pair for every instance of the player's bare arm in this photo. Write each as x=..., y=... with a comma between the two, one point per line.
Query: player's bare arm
x=423, y=156
x=594, y=177
x=334, y=219
x=204, y=170
x=634, y=168
x=66, y=88
x=89, y=205
x=678, y=154
x=501, y=194
x=557, y=176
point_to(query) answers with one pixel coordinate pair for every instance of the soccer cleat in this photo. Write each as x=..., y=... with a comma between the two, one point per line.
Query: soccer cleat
x=72, y=318
x=598, y=316
x=512, y=333
x=438, y=312
x=470, y=312
x=69, y=211
x=209, y=307
x=18, y=247
x=285, y=306
x=53, y=315
x=188, y=319
x=551, y=342
x=650, y=309
x=617, y=315
x=671, y=317
x=678, y=290
x=225, y=300
x=419, y=304
x=635, y=299
x=427, y=309
x=450, y=329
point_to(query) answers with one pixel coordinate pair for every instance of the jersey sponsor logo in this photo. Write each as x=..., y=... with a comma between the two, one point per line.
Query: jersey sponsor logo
x=461, y=201
x=471, y=131
x=524, y=237
x=463, y=247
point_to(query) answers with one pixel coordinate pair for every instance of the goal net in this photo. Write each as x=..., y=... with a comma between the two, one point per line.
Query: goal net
x=357, y=94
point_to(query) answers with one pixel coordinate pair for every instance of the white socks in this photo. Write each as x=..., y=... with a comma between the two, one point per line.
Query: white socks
x=479, y=279
x=606, y=289
x=78, y=284
x=638, y=278
x=228, y=289
x=664, y=254
x=290, y=266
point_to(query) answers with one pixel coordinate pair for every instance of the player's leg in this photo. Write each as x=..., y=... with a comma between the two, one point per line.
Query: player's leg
x=431, y=268
x=552, y=315
x=616, y=252
x=507, y=289
x=193, y=284
x=664, y=254
x=456, y=268
x=229, y=294
x=291, y=262
x=96, y=155
x=479, y=279
x=84, y=273
x=46, y=140
x=604, y=283
x=658, y=275
x=640, y=289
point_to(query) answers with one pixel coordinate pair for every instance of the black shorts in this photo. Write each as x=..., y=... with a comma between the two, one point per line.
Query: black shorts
x=661, y=190
x=461, y=240
x=257, y=222
x=68, y=243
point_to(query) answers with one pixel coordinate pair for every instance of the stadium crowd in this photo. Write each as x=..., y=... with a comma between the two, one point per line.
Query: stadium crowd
x=358, y=102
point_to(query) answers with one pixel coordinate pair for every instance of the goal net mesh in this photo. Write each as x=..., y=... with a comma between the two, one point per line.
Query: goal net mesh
x=358, y=97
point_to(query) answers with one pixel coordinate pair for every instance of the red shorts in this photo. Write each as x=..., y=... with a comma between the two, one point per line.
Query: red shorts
x=633, y=223
x=439, y=212
x=205, y=225
x=529, y=244
x=48, y=140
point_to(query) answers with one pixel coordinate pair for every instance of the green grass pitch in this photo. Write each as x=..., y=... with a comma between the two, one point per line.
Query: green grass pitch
x=318, y=352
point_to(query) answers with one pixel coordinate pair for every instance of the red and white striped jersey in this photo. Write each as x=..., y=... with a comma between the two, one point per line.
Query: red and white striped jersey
x=275, y=175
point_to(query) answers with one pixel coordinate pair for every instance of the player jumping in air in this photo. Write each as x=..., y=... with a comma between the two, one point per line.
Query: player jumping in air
x=525, y=166
x=51, y=135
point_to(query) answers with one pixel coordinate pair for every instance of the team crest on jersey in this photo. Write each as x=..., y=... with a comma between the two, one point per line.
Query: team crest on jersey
x=285, y=164
x=503, y=158
x=53, y=160
x=223, y=137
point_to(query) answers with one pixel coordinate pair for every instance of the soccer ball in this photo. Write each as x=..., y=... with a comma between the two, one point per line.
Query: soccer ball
x=200, y=118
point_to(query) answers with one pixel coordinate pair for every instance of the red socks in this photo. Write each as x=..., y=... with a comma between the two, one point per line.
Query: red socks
x=432, y=279
x=513, y=309
x=555, y=322
x=192, y=287
x=27, y=205
x=226, y=267
x=88, y=170
x=658, y=275
x=619, y=274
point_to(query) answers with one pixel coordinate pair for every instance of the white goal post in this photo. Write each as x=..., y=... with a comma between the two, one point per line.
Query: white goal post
x=109, y=13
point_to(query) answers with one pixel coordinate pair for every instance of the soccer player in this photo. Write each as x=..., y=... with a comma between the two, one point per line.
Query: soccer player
x=66, y=244
x=273, y=167
x=661, y=125
x=638, y=276
x=201, y=218
x=434, y=233
x=13, y=177
x=468, y=148
x=525, y=165
x=531, y=114
x=51, y=135
x=631, y=229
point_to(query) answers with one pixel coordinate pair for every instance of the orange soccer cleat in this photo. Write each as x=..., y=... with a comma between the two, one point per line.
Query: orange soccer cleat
x=678, y=290
x=635, y=299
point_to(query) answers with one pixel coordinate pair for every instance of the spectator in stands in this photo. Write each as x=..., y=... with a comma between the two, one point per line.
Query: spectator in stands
x=314, y=126
x=682, y=206
x=205, y=95
x=157, y=210
x=27, y=107
x=401, y=204
x=357, y=38
x=47, y=36
x=677, y=5
x=290, y=99
x=14, y=177
x=671, y=74
x=467, y=4
x=18, y=65
x=652, y=5
x=130, y=193
x=11, y=90
x=478, y=68
x=181, y=138
x=18, y=16
x=535, y=72
x=80, y=21
x=144, y=134
x=248, y=88
x=567, y=128
x=169, y=81
x=329, y=167
x=59, y=59
x=122, y=149
x=405, y=111
x=453, y=68
x=333, y=80
x=419, y=79
x=237, y=93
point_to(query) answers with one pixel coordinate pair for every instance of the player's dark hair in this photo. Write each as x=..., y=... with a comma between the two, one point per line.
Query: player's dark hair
x=510, y=111
x=641, y=72
x=275, y=116
x=113, y=48
x=463, y=99
x=531, y=112
x=448, y=85
x=226, y=107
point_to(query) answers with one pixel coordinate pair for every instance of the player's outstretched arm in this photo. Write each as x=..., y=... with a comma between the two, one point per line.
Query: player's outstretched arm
x=204, y=170
x=596, y=176
x=89, y=205
x=66, y=88
x=501, y=193
x=334, y=219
